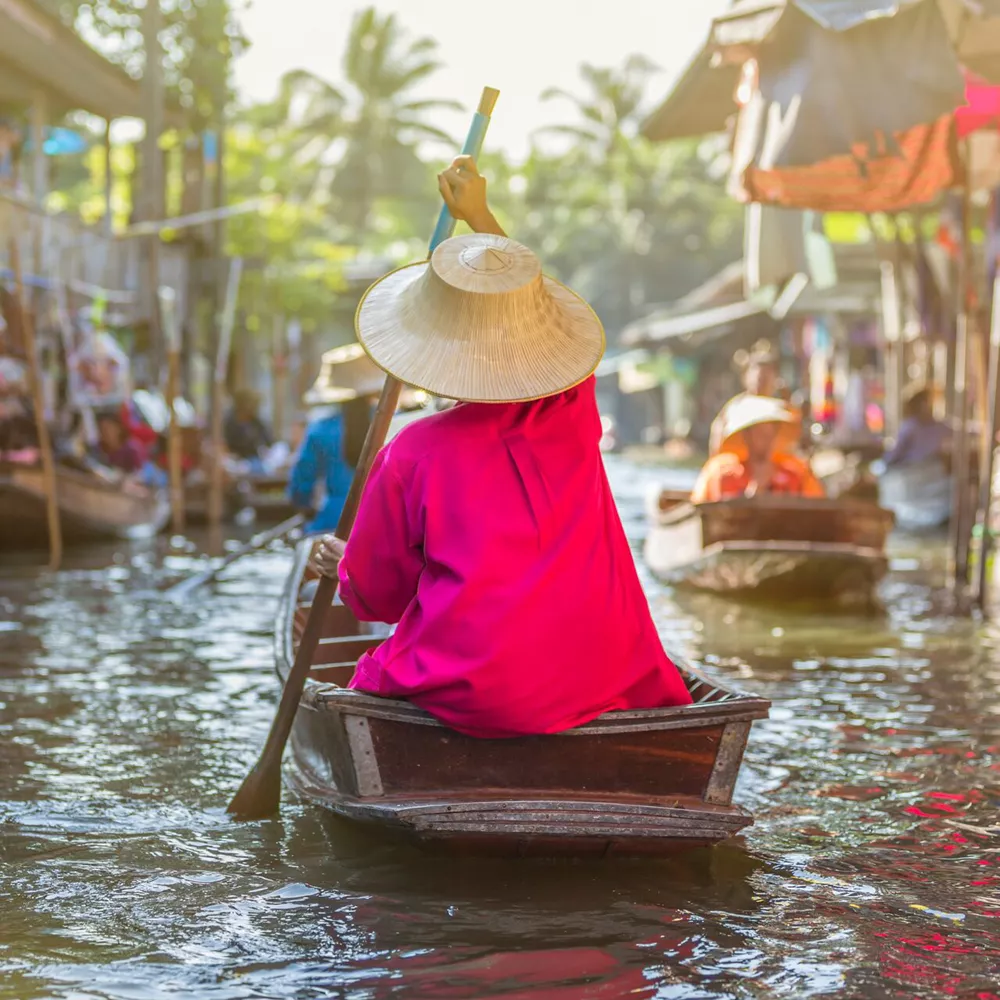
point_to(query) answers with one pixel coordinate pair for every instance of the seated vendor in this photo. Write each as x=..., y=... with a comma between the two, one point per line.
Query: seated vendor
x=328, y=456
x=754, y=456
x=921, y=438
x=18, y=434
x=488, y=532
x=760, y=377
x=247, y=436
x=114, y=447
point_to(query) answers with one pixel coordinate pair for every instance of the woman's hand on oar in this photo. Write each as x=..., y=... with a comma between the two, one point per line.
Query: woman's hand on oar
x=328, y=554
x=463, y=189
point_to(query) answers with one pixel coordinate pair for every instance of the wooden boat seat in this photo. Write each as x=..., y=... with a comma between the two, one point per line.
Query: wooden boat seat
x=344, y=649
x=334, y=673
x=339, y=621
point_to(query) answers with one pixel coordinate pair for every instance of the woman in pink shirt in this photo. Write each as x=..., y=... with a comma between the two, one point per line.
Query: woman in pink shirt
x=488, y=533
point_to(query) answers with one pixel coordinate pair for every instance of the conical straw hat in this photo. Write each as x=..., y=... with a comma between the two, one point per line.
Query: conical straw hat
x=749, y=411
x=346, y=373
x=480, y=322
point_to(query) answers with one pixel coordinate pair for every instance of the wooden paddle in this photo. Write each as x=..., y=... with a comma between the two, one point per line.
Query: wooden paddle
x=260, y=793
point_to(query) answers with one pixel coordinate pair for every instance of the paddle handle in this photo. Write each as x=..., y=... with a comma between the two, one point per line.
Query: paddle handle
x=260, y=793
x=378, y=429
x=473, y=147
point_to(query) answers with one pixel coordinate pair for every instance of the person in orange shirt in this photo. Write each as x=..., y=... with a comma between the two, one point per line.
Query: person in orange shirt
x=760, y=377
x=751, y=460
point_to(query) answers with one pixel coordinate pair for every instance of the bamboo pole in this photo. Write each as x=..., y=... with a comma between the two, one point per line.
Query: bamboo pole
x=991, y=431
x=198, y=218
x=215, y=494
x=892, y=335
x=279, y=378
x=172, y=337
x=38, y=402
x=958, y=555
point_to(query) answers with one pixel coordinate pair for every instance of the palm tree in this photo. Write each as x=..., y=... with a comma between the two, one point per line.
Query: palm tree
x=630, y=222
x=367, y=134
x=608, y=111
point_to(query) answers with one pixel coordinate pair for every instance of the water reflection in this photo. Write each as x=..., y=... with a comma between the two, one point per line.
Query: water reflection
x=872, y=870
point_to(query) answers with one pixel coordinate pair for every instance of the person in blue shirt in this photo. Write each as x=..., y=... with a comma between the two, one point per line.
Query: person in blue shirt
x=329, y=454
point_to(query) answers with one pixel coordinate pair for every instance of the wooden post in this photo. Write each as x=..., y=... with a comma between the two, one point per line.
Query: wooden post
x=892, y=334
x=990, y=434
x=215, y=495
x=39, y=165
x=152, y=168
x=108, y=180
x=279, y=378
x=172, y=336
x=958, y=555
x=38, y=401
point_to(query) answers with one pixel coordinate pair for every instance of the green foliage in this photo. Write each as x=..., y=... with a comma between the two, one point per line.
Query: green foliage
x=362, y=140
x=630, y=225
x=304, y=271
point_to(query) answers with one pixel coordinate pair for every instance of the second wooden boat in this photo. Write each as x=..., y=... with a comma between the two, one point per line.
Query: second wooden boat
x=772, y=547
x=267, y=495
x=90, y=508
x=637, y=782
x=919, y=495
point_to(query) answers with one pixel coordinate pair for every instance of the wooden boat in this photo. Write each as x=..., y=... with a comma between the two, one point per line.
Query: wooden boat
x=90, y=508
x=637, y=782
x=267, y=495
x=772, y=547
x=919, y=495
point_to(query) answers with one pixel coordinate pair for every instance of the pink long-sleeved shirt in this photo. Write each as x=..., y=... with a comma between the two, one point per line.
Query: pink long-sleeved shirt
x=489, y=534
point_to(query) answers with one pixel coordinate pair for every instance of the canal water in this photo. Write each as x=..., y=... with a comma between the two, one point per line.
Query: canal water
x=873, y=869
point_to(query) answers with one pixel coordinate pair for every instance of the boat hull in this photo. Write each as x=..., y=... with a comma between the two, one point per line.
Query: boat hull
x=778, y=571
x=90, y=510
x=920, y=496
x=773, y=549
x=639, y=782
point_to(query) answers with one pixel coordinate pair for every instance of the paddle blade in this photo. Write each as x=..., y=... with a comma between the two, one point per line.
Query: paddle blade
x=260, y=794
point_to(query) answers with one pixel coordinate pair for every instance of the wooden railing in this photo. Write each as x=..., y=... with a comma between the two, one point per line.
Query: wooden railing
x=60, y=249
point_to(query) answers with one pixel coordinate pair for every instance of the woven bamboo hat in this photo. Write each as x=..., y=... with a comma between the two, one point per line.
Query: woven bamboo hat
x=749, y=411
x=481, y=323
x=346, y=373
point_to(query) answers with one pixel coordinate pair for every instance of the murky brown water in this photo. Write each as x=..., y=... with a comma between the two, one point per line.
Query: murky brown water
x=126, y=723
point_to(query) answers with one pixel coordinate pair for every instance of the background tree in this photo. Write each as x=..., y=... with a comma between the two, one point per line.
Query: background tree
x=200, y=38
x=627, y=223
x=367, y=134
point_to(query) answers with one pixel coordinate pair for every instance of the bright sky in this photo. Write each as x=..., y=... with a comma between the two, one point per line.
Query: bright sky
x=519, y=46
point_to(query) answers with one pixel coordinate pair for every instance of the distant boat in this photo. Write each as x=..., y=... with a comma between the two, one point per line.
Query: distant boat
x=919, y=495
x=773, y=547
x=633, y=782
x=90, y=508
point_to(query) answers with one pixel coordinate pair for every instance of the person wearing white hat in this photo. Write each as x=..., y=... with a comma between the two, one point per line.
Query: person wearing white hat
x=751, y=459
x=488, y=532
x=759, y=373
x=341, y=399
